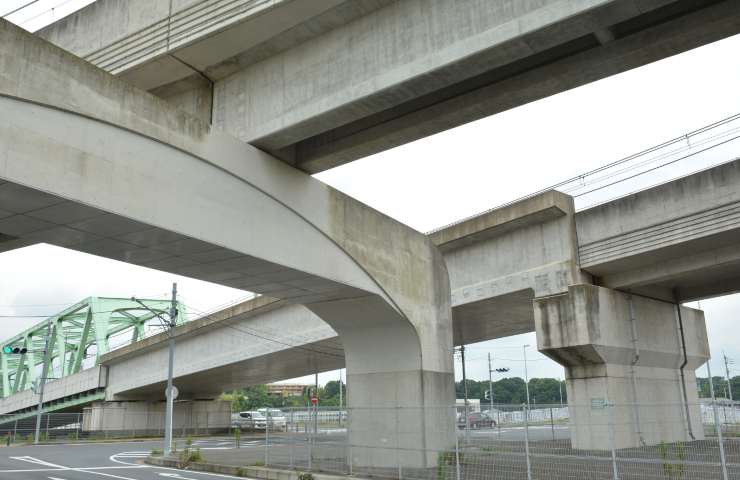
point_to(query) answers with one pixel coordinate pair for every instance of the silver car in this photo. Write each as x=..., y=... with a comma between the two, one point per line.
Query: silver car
x=249, y=420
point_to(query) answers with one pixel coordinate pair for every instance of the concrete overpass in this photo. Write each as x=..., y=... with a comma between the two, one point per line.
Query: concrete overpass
x=325, y=82
x=508, y=269
x=92, y=163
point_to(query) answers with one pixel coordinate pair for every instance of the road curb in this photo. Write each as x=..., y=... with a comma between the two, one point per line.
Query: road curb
x=260, y=473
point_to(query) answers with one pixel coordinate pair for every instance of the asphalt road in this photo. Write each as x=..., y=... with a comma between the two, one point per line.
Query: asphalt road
x=91, y=461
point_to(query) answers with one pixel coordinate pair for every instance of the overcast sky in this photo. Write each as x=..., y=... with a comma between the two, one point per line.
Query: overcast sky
x=441, y=179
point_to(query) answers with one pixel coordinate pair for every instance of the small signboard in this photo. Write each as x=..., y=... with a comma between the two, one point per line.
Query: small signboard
x=598, y=403
x=314, y=400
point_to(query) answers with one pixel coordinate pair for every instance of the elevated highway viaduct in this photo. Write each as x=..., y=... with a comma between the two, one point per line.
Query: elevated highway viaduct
x=513, y=270
x=280, y=89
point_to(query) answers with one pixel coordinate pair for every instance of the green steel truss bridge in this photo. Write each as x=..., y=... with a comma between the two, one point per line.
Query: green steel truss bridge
x=81, y=331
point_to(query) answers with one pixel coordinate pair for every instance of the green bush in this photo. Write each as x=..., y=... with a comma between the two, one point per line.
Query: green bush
x=305, y=476
x=673, y=470
x=240, y=472
x=156, y=452
x=258, y=463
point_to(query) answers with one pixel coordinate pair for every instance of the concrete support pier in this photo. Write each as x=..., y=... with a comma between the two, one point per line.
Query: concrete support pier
x=629, y=351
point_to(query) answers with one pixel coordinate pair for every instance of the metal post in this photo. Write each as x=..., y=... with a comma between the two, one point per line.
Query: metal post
x=560, y=389
x=42, y=382
x=613, y=441
x=398, y=446
x=267, y=438
x=291, y=438
x=15, y=430
x=340, y=397
x=310, y=441
x=526, y=440
x=729, y=387
x=457, y=456
x=349, y=442
x=490, y=385
x=170, y=397
x=316, y=407
x=465, y=393
x=552, y=424
x=526, y=377
x=717, y=425
x=47, y=426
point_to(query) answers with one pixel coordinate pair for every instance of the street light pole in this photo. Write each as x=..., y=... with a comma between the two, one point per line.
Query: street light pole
x=42, y=381
x=170, y=365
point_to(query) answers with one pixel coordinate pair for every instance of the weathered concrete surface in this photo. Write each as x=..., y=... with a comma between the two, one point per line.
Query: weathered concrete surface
x=89, y=380
x=258, y=341
x=96, y=165
x=142, y=418
x=679, y=240
x=325, y=82
x=501, y=260
x=629, y=351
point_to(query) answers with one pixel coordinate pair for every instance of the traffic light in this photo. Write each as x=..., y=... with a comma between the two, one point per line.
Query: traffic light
x=502, y=370
x=10, y=349
x=487, y=395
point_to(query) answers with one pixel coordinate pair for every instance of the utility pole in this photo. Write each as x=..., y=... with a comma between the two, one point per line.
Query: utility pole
x=490, y=383
x=170, y=390
x=42, y=382
x=465, y=391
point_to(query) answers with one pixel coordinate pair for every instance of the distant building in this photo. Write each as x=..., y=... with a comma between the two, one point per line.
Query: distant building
x=285, y=389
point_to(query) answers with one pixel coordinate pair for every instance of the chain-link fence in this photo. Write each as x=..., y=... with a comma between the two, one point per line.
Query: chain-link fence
x=552, y=442
x=506, y=442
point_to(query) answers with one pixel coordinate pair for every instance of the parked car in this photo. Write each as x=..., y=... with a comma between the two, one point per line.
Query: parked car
x=476, y=420
x=275, y=417
x=250, y=420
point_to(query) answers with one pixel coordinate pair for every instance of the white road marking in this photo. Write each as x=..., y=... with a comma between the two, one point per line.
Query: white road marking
x=175, y=475
x=56, y=478
x=36, y=461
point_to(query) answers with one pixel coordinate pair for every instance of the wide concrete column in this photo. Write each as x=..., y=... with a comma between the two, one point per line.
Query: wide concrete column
x=627, y=351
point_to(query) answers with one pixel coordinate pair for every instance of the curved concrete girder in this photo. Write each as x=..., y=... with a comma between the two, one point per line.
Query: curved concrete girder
x=77, y=133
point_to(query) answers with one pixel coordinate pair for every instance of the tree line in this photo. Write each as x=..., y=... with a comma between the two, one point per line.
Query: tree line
x=505, y=391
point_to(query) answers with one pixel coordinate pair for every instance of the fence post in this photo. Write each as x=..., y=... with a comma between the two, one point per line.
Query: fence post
x=525, y=412
x=310, y=439
x=398, y=445
x=718, y=429
x=613, y=440
x=457, y=452
x=291, y=438
x=15, y=430
x=47, y=426
x=552, y=424
x=717, y=426
x=267, y=437
x=349, y=440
